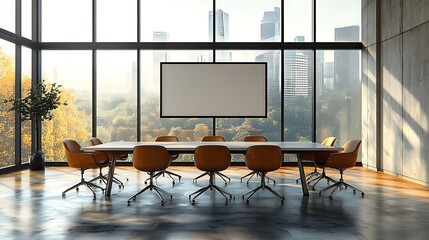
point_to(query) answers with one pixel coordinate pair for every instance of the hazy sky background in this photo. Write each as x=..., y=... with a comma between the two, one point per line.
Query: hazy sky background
x=117, y=21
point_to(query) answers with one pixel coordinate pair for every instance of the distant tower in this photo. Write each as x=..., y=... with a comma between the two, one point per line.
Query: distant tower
x=222, y=26
x=222, y=33
x=346, y=61
x=159, y=56
x=270, y=31
x=298, y=72
x=270, y=25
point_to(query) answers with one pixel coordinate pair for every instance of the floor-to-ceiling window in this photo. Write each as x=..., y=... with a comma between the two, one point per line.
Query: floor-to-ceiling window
x=107, y=60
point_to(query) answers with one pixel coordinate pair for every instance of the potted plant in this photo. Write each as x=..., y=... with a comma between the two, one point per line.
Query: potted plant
x=37, y=106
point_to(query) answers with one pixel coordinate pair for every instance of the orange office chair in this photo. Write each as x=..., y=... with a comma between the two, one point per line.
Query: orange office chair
x=212, y=159
x=251, y=174
x=341, y=161
x=263, y=159
x=213, y=139
x=96, y=141
x=315, y=175
x=174, y=156
x=151, y=159
x=81, y=160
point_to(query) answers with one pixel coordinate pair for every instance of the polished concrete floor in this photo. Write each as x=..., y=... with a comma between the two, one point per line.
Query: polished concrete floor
x=32, y=208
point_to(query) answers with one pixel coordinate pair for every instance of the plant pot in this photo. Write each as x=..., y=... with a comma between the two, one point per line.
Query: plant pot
x=37, y=161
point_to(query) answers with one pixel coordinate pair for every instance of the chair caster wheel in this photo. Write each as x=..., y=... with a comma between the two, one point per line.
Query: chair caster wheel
x=77, y=189
x=247, y=202
x=128, y=203
x=330, y=197
x=297, y=181
x=314, y=189
x=162, y=203
x=174, y=183
x=63, y=195
x=363, y=194
x=320, y=193
x=193, y=202
x=134, y=199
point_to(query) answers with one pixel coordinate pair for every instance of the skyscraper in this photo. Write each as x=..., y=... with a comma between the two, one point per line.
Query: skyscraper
x=298, y=72
x=222, y=26
x=270, y=25
x=346, y=62
x=270, y=31
x=222, y=33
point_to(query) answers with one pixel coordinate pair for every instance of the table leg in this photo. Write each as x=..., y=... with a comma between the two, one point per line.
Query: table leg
x=302, y=175
x=110, y=176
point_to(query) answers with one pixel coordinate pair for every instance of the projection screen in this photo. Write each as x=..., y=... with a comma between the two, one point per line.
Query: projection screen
x=213, y=90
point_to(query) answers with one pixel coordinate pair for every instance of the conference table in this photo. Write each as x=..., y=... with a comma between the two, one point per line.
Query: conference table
x=297, y=148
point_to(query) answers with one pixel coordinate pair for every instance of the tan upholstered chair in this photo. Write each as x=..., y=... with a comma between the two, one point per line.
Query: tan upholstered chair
x=318, y=162
x=174, y=156
x=151, y=159
x=251, y=174
x=263, y=159
x=212, y=159
x=76, y=158
x=341, y=161
x=103, y=177
x=213, y=139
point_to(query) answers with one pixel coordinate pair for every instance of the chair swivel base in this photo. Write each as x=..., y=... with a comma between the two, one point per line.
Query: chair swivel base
x=87, y=184
x=151, y=187
x=212, y=186
x=263, y=186
x=162, y=173
x=309, y=176
x=103, y=178
x=320, y=177
x=221, y=175
x=338, y=185
x=251, y=174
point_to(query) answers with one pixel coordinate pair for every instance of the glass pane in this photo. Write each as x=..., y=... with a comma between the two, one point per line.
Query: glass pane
x=116, y=20
x=186, y=129
x=7, y=15
x=117, y=95
x=258, y=21
x=7, y=91
x=26, y=18
x=25, y=89
x=298, y=95
x=72, y=70
x=298, y=26
x=343, y=25
x=175, y=21
x=338, y=108
x=235, y=129
x=66, y=21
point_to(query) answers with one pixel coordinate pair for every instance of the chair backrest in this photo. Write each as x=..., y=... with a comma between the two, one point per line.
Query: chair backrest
x=166, y=139
x=151, y=158
x=347, y=157
x=255, y=139
x=212, y=158
x=95, y=141
x=213, y=139
x=264, y=158
x=77, y=158
x=329, y=141
x=71, y=146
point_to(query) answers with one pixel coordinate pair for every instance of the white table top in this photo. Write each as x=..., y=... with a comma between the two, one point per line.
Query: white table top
x=234, y=147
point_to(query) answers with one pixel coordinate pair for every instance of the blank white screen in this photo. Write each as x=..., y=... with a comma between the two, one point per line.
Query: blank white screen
x=213, y=90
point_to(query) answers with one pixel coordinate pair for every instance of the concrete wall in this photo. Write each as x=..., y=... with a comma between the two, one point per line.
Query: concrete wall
x=401, y=78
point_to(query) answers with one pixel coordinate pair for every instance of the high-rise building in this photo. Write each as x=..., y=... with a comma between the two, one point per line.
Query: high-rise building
x=222, y=33
x=222, y=26
x=346, y=62
x=298, y=72
x=270, y=25
x=270, y=31
x=158, y=57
